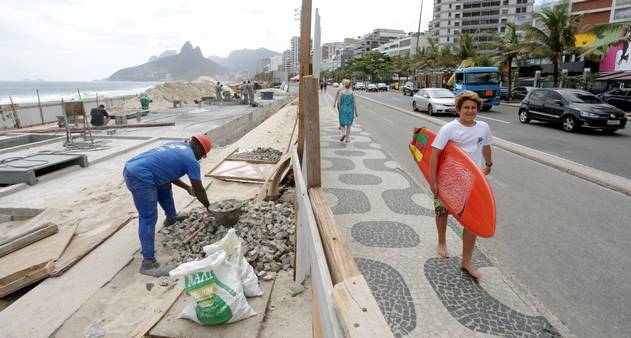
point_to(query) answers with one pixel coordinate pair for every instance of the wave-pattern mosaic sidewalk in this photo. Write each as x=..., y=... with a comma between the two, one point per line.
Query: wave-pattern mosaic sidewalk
x=389, y=222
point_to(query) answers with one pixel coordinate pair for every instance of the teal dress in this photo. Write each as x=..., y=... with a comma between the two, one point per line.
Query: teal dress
x=346, y=109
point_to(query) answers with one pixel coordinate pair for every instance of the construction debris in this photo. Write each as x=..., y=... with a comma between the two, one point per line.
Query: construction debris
x=259, y=154
x=266, y=229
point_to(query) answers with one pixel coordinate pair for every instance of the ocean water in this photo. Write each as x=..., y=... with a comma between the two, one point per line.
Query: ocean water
x=25, y=91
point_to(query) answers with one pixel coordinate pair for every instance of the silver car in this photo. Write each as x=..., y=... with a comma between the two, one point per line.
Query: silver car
x=435, y=100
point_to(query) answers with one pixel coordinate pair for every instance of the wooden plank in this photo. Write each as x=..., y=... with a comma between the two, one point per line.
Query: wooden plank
x=315, y=316
x=305, y=52
x=337, y=251
x=162, y=310
x=85, y=242
x=271, y=186
x=250, y=160
x=358, y=310
x=321, y=279
x=171, y=326
x=25, y=278
x=312, y=130
x=43, y=231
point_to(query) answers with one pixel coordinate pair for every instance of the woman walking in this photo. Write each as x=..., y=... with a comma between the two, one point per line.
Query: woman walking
x=345, y=103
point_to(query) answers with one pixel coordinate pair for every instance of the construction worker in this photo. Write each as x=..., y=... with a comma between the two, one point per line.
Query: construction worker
x=149, y=177
x=144, y=101
x=99, y=116
x=245, y=92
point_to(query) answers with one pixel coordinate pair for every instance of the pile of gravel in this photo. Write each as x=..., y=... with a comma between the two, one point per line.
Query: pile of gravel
x=260, y=153
x=266, y=230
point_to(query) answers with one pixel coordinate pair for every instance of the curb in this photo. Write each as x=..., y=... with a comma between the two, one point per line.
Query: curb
x=596, y=176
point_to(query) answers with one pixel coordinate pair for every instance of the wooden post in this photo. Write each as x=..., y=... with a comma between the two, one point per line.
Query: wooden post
x=97, y=99
x=78, y=92
x=311, y=110
x=39, y=104
x=15, y=113
x=305, y=50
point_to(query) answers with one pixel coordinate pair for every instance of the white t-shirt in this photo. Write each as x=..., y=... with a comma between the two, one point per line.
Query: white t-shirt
x=470, y=139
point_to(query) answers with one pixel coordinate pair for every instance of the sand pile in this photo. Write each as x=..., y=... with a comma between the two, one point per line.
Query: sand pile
x=164, y=94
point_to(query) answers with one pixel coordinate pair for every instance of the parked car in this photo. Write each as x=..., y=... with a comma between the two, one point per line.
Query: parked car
x=518, y=93
x=382, y=87
x=335, y=84
x=435, y=100
x=504, y=93
x=409, y=88
x=572, y=109
x=359, y=86
x=619, y=98
x=372, y=88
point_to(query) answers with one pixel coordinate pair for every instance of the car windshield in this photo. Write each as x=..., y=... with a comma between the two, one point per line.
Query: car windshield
x=482, y=78
x=441, y=94
x=584, y=98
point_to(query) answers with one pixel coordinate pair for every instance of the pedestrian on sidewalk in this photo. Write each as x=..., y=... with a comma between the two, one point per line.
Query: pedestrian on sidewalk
x=245, y=92
x=325, y=86
x=251, y=92
x=218, y=90
x=321, y=86
x=475, y=138
x=347, y=110
x=149, y=176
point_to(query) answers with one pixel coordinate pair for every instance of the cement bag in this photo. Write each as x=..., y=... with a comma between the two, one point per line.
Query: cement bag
x=216, y=289
x=231, y=244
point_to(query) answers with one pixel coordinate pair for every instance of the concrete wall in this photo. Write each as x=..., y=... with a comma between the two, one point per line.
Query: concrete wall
x=235, y=129
x=29, y=113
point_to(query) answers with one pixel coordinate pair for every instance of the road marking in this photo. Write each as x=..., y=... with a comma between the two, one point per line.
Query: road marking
x=492, y=119
x=372, y=112
x=388, y=120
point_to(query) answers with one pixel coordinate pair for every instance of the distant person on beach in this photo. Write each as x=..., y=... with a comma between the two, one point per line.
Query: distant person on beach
x=475, y=138
x=99, y=116
x=251, y=92
x=218, y=87
x=347, y=110
x=144, y=101
x=150, y=177
x=245, y=92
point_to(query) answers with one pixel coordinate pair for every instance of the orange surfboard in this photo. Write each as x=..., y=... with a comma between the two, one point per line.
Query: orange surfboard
x=462, y=186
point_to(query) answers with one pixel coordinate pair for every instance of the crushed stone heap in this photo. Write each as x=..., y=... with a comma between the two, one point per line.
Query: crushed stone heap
x=260, y=153
x=266, y=230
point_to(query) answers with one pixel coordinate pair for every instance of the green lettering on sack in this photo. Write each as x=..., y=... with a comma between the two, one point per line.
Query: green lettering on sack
x=213, y=311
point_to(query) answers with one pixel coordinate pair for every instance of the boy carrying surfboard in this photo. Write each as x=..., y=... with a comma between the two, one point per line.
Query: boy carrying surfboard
x=475, y=138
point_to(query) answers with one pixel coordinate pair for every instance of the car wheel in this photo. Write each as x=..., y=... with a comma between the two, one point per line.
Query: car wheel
x=569, y=123
x=414, y=107
x=523, y=116
x=430, y=109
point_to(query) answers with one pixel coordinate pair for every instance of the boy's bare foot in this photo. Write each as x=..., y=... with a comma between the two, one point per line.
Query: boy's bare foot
x=442, y=251
x=471, y=270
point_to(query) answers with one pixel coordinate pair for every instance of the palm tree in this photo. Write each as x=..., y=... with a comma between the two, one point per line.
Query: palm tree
x=465, y=48
x=553, y=35
x=507, y=48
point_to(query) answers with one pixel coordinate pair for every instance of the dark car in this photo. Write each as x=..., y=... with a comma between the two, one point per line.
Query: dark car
x=572, y=108
x=619, y=98
x=504, y=93
x=518, y=93
x=409, y=88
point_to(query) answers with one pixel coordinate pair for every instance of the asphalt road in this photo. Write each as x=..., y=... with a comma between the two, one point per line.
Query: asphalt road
x=564, y=238
x=610, y=153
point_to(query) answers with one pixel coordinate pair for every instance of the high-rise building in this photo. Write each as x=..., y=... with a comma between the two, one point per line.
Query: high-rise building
x=601, y=11
x=376, y=38
x=480, y=18
x=404, y=46
x=275, y=62
x=295, y=55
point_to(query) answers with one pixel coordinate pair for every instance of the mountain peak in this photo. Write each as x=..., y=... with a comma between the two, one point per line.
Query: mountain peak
x=186, y=48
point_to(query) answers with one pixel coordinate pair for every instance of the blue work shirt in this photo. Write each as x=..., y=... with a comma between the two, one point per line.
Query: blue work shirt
x=165, y=164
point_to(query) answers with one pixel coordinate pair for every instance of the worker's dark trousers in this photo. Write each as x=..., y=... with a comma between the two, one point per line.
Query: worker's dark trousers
x=146, y=198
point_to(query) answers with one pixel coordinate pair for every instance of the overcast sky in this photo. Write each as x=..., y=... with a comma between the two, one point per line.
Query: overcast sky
x=86, y=40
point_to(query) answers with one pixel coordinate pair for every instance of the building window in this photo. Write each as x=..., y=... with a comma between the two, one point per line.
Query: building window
x=449, y=6
x=622, y=13
x=458, y=6
x=457, y=15
x=457, y=24
x=504, y=20
x=502, y=29
x=623, y=2
x=504, y=10
x=504, y=3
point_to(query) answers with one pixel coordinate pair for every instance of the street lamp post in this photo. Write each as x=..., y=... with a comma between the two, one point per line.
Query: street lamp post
x=418, y=31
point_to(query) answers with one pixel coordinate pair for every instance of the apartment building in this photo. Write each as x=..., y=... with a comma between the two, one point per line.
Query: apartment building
x=404, y=46
x=601, y=11
x=479, y=18
x=375, y=39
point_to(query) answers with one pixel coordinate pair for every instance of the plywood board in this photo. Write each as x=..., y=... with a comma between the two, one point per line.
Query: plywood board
x=37, y=233
x=242, y=170
x=171, y=326
x=21, y=262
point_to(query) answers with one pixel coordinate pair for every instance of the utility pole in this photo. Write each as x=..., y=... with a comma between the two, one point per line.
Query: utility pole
x=418, y=31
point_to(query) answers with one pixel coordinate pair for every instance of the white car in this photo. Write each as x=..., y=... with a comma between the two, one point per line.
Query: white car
x=435, y=100
x=335, y=84
x=360, y=86
x=372, y=88
x=382, y=87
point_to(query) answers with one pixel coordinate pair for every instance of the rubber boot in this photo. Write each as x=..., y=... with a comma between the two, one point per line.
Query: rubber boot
x=178, y=218
x=155, y=269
